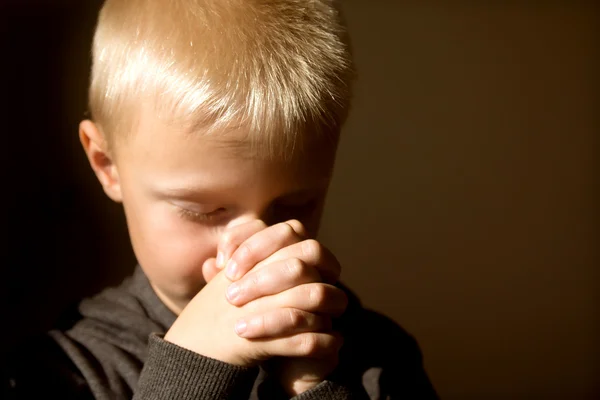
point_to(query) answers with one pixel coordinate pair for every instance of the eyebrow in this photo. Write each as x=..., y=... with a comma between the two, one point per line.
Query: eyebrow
x=205, y=195
x=187, y=192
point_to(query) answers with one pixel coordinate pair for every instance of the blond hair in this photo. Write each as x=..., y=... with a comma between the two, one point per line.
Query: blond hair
x=279, y=68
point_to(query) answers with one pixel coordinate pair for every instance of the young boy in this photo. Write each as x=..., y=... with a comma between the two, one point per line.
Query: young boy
x=215, y=123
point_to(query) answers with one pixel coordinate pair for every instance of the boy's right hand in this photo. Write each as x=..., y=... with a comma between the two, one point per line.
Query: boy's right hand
x=295, y=308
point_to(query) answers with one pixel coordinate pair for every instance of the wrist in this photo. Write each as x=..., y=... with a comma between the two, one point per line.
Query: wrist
x=207, y=348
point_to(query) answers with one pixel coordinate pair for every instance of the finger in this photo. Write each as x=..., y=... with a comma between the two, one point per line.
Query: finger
x=233, y=237
x=308, y=344
x=271, y=279
x=209, y=269
x=313, y=254
x=318, y=298
x=261, y=245
x=298, y=227
x=281, y=322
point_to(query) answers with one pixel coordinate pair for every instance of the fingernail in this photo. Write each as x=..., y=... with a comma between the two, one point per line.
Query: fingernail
x=240, y=327
x=220, y=260
x=232, y=292
x=231, y=270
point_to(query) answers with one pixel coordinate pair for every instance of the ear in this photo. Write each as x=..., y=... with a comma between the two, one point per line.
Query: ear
x=96, y=149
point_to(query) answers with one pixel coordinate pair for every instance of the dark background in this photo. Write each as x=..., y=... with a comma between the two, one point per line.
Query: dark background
x=62, y=237
x=464, y=204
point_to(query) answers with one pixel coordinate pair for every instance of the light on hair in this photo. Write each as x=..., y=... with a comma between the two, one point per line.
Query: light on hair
x=279, y=68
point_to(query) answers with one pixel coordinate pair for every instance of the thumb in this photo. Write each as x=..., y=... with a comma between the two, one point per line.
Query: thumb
x=209, y=269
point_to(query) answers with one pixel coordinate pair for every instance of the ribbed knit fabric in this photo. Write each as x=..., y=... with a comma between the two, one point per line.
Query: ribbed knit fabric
x=187, y=375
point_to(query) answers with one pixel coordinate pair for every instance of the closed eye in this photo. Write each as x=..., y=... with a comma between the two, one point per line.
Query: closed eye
x=205, y=217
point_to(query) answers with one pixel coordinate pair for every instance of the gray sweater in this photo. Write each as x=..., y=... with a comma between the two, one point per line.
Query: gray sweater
x=112, y=348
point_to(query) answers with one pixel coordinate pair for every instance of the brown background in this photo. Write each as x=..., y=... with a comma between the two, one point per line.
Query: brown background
x=464, y=203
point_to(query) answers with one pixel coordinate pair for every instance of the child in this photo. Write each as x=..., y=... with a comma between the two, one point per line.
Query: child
x=215, y=123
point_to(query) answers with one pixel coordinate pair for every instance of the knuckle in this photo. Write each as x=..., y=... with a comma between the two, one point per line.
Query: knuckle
x=244, y=252
x=258, y=225
x=311, y=249
x=256, y=278
x=297, y=319
x=294, y=268
x=286, y=230
x=296, y=225
x=309, y=344
x=316, y=295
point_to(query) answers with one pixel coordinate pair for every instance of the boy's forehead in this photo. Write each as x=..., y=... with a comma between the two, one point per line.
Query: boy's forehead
x=158, y=137
x=166, y=159
x=311, y=151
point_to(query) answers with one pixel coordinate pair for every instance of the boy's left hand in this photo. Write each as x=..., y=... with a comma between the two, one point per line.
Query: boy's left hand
x=263, y=261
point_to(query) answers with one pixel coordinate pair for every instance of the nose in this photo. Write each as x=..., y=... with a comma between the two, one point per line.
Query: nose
x=264, y=214
x=242, y=219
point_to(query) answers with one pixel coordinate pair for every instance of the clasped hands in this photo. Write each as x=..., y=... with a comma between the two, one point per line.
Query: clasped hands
x=269, y=294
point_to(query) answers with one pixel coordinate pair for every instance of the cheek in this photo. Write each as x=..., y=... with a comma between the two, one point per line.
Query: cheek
x=168, y=246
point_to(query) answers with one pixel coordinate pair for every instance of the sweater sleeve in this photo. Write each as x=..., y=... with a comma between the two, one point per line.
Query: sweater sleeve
x=172, y=372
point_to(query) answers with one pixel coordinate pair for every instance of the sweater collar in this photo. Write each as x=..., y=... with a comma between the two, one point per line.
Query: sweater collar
x=140, y=287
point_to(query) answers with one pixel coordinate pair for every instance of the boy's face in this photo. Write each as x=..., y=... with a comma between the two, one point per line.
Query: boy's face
x=181, y=191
